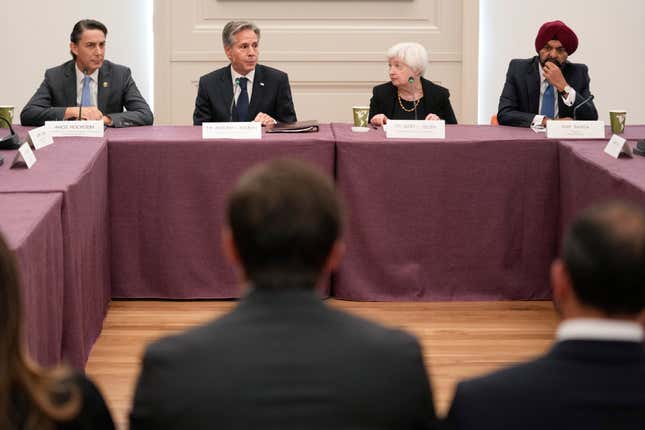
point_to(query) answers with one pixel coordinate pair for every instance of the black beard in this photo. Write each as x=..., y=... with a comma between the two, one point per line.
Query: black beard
x=554, y=61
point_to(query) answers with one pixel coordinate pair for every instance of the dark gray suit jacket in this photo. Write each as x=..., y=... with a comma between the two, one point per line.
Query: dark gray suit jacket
x=579, y=384
x=283, y=359
x=116, y=92
x=271, y=95
x=520, y=97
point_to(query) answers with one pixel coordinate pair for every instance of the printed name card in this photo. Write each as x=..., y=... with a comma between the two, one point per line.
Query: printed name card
x=617, y=145
x=39, y=137
x=75, y=128
x=415, y=129
x=232, y=130
x=575, y=129
x=24, y=157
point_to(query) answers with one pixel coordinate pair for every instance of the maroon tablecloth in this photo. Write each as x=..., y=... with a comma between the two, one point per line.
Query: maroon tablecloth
x=76, y=167
x=31, y=224
x=589, y=176
x=168, y=192
x=472, y=217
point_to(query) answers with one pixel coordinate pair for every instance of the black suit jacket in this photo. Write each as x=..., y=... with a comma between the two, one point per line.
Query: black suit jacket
x=284, y=360
x=271, y=95
x=116, y=92
x=436, y=99
x=520, y=97
x=577, y=385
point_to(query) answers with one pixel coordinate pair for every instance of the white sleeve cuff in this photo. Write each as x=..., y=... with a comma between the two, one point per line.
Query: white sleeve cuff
x=570, y=98
x=537, y=120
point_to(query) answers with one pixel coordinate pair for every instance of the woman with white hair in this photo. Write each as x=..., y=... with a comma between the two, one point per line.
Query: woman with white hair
x=409, y=95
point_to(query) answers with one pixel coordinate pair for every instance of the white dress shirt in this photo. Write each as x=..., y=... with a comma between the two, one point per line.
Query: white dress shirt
x=599, y=329
x=249, y=84
x=568, y=100
x=94, y=86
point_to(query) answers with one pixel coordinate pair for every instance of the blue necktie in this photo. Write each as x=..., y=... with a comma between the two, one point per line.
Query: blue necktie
x=243, y=102
x=548, y=102
x=86, y=100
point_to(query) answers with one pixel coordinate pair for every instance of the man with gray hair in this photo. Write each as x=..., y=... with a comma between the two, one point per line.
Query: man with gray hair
x=244, y=90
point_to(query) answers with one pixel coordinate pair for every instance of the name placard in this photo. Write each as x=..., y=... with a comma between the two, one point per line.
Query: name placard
x=40, y=137
x=575, y=129
x=232, y=130
x=415, y=129
x=618, y=145
x=75, y=128
x=24, y=157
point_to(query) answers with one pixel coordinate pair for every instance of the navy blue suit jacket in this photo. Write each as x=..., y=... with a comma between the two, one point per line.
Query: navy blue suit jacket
x=520, y=97
x=579, y=384
x=271, y=95
x=116, y=91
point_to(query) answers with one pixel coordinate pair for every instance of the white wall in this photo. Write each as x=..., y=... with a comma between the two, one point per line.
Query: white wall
x=35, y=35
x=612, y=42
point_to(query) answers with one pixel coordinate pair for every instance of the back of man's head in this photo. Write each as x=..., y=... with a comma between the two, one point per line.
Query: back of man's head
x=604, y=254
x=285, y=218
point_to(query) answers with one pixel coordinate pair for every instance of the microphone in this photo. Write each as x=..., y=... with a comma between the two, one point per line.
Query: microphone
x=12, y=141
x=414, y=99
x=230, y=109
x=585, y=101
x=80, y=105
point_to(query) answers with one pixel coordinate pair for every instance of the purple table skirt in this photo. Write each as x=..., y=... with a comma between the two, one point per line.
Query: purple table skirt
x=466, y=218
x=31, y=224
x=76, y=167
x=168, y=191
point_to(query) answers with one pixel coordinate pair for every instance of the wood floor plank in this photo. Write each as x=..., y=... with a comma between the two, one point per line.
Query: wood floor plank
x=459, y=339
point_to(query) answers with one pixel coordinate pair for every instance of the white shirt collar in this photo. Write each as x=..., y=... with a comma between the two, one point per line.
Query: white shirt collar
x=599, y=329
x=249, y=76
x=79, y=74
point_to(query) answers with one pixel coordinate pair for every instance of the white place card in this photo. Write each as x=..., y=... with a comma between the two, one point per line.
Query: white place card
x=39, y=137
x=415, y=129
x=575, y=129
x=232, y=130
x=24, y=157
x=75, y=128
x=618, y=145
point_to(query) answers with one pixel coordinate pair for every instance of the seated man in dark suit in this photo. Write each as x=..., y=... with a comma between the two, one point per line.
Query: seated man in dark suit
x=104, y=89
x=594, y=375
x=244, y=90
x=283, y=359
x=547, y=86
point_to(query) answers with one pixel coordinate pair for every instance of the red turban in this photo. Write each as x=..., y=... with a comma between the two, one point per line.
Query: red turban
x=556, y=30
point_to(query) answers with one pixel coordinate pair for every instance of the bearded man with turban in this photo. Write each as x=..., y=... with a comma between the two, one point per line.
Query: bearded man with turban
x=547, y=86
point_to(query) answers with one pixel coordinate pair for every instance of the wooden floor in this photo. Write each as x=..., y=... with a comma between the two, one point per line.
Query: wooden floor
x=460, y=339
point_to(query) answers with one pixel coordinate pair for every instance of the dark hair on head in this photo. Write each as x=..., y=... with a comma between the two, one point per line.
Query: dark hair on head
x=50, y=395
x=81, y=26
x=285, y=217
x=604, y=253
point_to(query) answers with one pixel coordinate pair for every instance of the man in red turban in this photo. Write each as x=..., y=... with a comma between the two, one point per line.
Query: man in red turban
x=547, y=86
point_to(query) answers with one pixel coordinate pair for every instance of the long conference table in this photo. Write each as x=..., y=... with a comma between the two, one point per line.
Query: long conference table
x=137, y=214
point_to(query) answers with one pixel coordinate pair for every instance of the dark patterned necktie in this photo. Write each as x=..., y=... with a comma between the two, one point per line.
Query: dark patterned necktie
x=243, y=102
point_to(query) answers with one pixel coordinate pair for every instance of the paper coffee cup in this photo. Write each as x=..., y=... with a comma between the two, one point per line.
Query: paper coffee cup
x=6, y=112
x=617, y=119
x=360, y=115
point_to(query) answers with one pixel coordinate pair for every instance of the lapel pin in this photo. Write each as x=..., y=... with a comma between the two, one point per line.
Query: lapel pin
x=261, y=84
x=106, y=84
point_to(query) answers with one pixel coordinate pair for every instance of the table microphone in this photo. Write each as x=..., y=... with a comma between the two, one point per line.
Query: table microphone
x=414, y=99
x=585, y=101
x=80, y=105
x=230, y=109
x=12, y=141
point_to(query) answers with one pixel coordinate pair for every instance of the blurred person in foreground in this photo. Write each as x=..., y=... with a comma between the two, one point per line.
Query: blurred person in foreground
x=594, y=375
x=283, y=359
x=32, y=397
